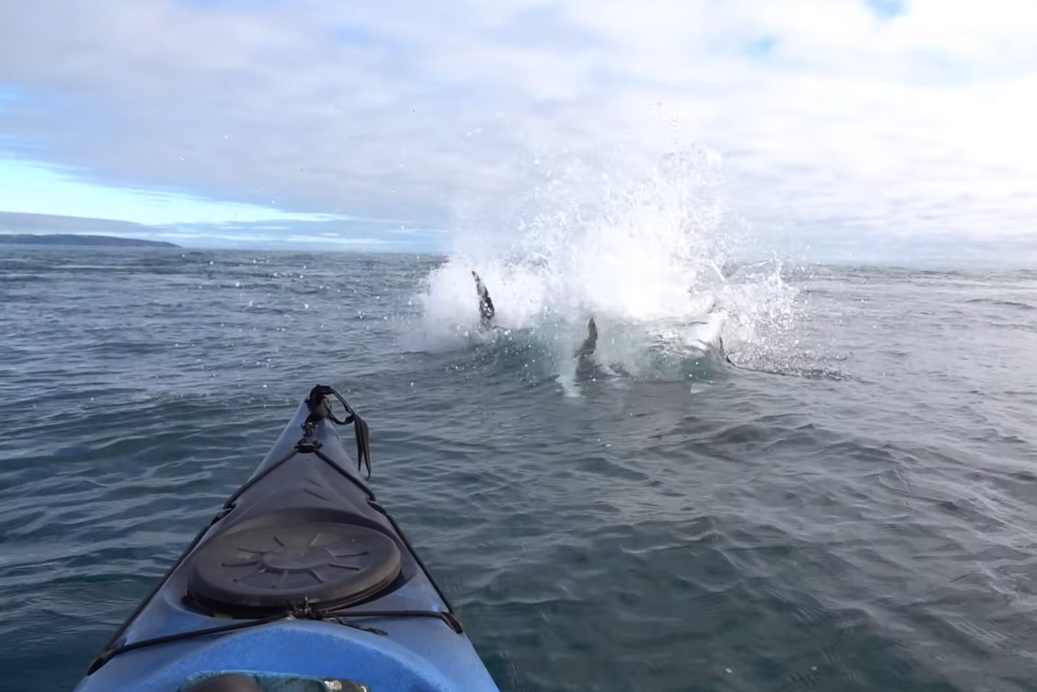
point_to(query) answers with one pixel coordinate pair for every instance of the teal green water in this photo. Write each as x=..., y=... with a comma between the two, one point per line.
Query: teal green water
x=851, y=509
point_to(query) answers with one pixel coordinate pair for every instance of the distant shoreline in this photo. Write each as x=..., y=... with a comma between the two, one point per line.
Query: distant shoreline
x=79, y=240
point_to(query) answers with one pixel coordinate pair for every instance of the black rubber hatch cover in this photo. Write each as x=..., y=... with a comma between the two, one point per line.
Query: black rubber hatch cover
x=280, y=567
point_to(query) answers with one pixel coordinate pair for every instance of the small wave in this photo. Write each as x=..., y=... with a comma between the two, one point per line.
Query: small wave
x=1001, y=303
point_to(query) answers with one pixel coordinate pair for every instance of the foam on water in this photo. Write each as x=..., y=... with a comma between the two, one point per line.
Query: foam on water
x=650, y=250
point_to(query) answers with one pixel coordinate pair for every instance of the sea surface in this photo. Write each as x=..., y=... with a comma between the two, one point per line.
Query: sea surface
x=849, y=504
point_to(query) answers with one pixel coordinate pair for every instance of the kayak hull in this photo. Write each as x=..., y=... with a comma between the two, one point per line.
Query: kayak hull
x=301, y=577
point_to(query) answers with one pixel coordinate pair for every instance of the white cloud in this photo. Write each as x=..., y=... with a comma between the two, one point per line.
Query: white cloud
x=832, y=116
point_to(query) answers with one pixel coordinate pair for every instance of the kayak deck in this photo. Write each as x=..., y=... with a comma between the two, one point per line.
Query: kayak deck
x=301, y=579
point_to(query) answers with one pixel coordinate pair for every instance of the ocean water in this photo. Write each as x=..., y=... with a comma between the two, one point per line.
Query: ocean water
x=849, y=507
x=850, y=503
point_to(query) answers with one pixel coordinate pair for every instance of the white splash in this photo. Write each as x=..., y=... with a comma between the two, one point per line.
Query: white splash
x=647, y=249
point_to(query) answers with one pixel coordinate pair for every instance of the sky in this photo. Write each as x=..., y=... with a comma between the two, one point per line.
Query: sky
x=868, y=129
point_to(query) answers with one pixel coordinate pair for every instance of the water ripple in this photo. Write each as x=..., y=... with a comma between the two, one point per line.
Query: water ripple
x=863, y=524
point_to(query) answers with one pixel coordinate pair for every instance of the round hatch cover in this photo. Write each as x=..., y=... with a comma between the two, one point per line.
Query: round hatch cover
x=280, y=567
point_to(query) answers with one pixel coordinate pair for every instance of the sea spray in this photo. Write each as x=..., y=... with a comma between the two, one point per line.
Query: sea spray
x=651, y=249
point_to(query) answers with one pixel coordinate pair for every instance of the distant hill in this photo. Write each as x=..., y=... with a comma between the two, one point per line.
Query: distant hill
x=19, y=228
x=78, y=239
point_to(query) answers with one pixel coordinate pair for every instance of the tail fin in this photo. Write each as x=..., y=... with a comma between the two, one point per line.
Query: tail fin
x=591, y=342
x=486, y=310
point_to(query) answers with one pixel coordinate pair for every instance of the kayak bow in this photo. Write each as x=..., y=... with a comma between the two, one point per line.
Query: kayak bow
x=301, y=583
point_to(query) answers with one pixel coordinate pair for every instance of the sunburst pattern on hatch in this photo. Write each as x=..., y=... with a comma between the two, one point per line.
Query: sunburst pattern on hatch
x=285, y=566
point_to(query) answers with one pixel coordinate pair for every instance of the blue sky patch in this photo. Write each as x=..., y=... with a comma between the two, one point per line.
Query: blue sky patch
x=762, y=48
x=9, y=94
x=887, y=9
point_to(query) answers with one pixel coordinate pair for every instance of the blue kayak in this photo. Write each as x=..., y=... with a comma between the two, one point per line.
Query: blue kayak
x=302, y=582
